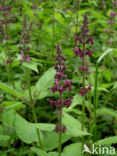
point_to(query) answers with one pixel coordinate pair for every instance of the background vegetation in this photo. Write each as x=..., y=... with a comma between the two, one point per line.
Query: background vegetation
x=55, y=22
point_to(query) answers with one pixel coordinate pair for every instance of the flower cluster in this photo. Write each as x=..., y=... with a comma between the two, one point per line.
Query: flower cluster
x=115, y=4
x=61, y=84
x=110, y=31
x=60, y=129
x=25, y=41
x=6, y=19
x=83, y=39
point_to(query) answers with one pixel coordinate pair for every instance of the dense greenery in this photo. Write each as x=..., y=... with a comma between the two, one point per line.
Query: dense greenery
x=29, y=33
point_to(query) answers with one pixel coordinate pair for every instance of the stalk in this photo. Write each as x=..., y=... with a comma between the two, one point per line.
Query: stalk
x=32, y=105
x=9, y=68
x=53, y=27
x=60, y=124
x=83, y=106
x=77, y=7
x=95, y=101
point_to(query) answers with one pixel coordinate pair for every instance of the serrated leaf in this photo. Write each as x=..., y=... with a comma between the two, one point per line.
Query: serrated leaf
x=51, y=139
x=46, y=80
x=73, y=149
x=31, y=65
x=73, y=126
x=107, y=141
x=26, y=131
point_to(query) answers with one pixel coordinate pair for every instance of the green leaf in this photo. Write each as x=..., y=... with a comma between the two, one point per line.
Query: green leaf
x=46, y=80
x=8, y=117
x=38, y=151
x=26, y=131
x=51, y=139
x=12, y=105
x=114, y=85
x=73, y=126
x=106, y=111
x=4, y=140
x=73, y=149
x=43, y=153
x=107, y=141
x=45, y=127
x=76, y=101
x=10, y=90
x=104, y=54
x=31, y=65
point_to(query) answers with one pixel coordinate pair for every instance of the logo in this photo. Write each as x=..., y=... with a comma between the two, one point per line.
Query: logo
x=99, y=149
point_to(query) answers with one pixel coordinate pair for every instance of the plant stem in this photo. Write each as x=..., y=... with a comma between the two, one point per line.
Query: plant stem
x=31, y=101
x=77, y=7
x=83, y=106
x=60, y=125
x=37, y=130
x=95, y=101
x=8, y=56
x=53, y=27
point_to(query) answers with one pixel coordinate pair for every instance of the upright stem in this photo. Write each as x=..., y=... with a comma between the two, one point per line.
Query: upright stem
x=83, y=106
x=8, y=56
x=53, y=27
x=60, y=125
x=95, y=101
x=77, y=7
x=32, y=105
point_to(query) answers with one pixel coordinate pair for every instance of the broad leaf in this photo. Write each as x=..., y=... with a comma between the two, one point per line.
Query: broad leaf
x=31, y=65
x=107, y=141
x=10, y=90
x=73, y=149
x=73, y=126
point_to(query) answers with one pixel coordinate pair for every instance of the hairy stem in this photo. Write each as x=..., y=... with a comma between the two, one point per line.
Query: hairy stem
x=60, y=124
x=95, y=101
x=83, y=106
x=7, y=53
x=31, y=102
x=53, y=27
x=77, y=7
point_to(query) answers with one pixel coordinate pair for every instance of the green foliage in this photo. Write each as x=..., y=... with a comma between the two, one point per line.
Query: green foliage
x=107, y=141
x=10, y=90
x=73, y=126
x=56, y=23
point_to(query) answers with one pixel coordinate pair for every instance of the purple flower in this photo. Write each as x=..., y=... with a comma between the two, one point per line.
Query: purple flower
x=60, y=90
x=82, y=92
x=53, y=89
x=64, y=129
x=81, y=68
x=112, y=14
x=27, y=58
x=90, y=40
x=77, y=39
x=78, y=51
x=68, y=102
x=89, y=87
x=60, y=86
x=59, y=75
x=52, y=102
x=60, y=129
x=22, y=54
x=67, y=84
x=89, y=52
